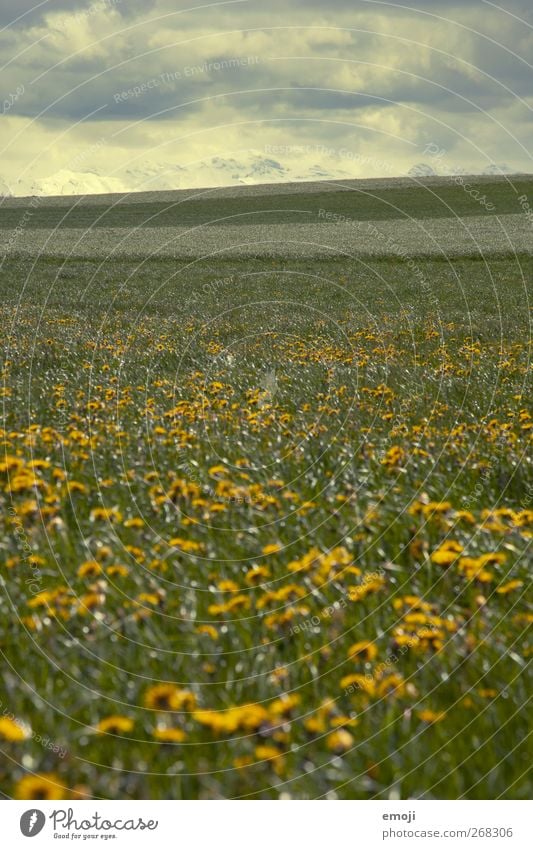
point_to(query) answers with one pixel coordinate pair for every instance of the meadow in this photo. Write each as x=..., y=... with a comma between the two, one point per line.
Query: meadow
x=266, y=522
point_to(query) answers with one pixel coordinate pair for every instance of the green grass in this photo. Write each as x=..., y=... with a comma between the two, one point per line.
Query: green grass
x=309, y=371
x=442, y=201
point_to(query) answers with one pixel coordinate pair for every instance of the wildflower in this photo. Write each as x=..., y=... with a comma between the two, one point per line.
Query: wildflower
x=118, y=569
x=431, y=716
x=266, y=753
x=447, y=553
x=169, y=697
x=244, y=717
x=136, y=522
x=343, y=721
x=189, y=546
x=209, y=630
x=339, y=741
x=271, y=549
x=89, y=601
x=509, y=587
x=256, y=574
x=394, y=457
x=363, y=650
x=115, y=725
x=89, y=569
x=109, y=514
x=284, y=705
x=392, y=684
x=169, y=735
x=12, y=731
x=360, y=592
x=40, y=786
x=227, y=586
x=365, y=683
x=315, y=724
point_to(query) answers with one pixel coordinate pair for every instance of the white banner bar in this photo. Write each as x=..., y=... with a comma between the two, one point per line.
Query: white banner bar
x=268, y=824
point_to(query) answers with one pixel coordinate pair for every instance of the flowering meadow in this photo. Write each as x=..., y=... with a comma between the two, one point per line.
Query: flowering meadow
x=265, y=527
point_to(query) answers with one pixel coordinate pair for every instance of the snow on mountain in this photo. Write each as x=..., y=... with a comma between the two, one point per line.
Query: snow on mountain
x=422, y=169
x=248, y=169
x=218, y=171
x=494, y=170
x=67, y=182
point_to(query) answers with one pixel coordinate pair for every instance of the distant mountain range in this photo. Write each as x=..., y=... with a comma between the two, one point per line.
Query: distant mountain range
x=250, y=169
x=218, y=171
x=423, y=169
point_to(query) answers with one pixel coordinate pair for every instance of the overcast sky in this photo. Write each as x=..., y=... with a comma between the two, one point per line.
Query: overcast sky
x=114, y=85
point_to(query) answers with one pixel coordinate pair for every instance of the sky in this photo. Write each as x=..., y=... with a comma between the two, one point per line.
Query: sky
x=125, y=88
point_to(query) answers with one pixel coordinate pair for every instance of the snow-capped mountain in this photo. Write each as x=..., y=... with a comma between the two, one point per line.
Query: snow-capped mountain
x=249, y=169
x=422, y=169
x=494, y=170
x=151, y=176
x=67, y=182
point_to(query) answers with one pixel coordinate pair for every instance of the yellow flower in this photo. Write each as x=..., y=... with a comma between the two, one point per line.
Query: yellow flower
x=189, y=546
x=242, y=761
x=227, y=586
x=12, y=730
x=365, y=683
x=271, y=549
x=110, y=514
x=169, y=697
x=343, y=721
x=339, y=741
x=431, y=715
x=210, y=630
x=359, y=592
x=89, y=569
x=136, y=522
x=447, y=553
x=363, y=650
x=76, y=486
x=115, y=725
x=40, y=786
x=169, y=735
x=245, y=717
x=10, y=462
x=238, y=602
x=284, y=705
x=394, y=457
x=315, y=724
x=509, y=587
x=488, y=693
x=391, y=685
x=256, y=574
x=266, y=753
x=117, y=569
x=89, y=601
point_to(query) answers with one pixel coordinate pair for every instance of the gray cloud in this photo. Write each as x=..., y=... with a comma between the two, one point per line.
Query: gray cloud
x=394, y=71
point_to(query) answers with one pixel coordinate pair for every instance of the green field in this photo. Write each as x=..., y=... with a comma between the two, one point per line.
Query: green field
x=193, y=209
x=266, y=522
